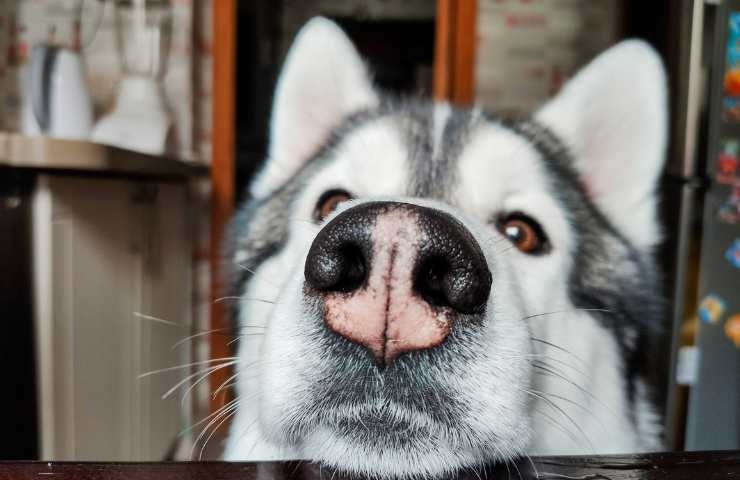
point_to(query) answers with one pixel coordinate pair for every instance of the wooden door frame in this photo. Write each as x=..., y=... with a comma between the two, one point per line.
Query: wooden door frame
x=454, y=51
x=222, y=181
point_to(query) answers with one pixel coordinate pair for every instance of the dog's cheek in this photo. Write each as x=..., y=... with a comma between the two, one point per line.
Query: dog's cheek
x=286, y=357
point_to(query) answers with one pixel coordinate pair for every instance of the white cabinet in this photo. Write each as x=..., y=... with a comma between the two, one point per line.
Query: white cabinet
x=112, y=263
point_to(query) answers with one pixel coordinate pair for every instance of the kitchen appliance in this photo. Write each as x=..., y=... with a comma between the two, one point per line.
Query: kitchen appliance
x=140, y=120
x=57, y=100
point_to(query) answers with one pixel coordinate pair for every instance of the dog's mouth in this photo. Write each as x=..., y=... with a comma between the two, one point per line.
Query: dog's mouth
x=351, y=395
x=391, y=421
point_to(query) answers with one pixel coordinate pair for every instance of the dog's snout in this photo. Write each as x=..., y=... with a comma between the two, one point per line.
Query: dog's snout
x=394, y=276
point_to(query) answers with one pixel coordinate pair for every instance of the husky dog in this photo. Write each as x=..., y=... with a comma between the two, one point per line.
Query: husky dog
x=425, y=289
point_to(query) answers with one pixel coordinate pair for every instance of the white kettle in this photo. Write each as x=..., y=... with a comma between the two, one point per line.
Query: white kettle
x=57, y=100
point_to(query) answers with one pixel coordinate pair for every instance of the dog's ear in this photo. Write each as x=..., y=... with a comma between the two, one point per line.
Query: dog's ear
x=613, y=117
x=323, y=81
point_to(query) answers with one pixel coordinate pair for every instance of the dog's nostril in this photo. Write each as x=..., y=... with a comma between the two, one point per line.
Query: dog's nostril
x=464, y=289
x=353, y=269
x=339, y=269
x=451, y=268
x=429, y=281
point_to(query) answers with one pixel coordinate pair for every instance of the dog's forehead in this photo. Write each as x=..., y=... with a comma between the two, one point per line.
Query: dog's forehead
x=437, y=151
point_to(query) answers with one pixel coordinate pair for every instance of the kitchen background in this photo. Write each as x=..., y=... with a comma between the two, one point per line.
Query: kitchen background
x=58, y=210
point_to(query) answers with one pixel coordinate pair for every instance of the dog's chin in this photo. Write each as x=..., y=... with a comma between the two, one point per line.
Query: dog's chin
x=409, y=445
x=377, y=455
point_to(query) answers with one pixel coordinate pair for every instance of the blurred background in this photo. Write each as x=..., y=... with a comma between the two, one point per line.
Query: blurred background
x=130, y=128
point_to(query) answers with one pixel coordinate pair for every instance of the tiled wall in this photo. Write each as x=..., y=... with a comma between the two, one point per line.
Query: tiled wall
x=528, y=48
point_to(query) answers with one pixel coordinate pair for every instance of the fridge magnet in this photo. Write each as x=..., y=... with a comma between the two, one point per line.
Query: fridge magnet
x=733, y=253
x=729, y=211
x=731, y=80
x=711, y=309
x=731, y=109
x=727, y=162
x=732, y=329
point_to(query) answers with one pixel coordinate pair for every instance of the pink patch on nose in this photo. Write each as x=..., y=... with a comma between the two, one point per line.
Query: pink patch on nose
x=385, y=315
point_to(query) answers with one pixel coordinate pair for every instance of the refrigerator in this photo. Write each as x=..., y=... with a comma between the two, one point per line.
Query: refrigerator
x=713, y=397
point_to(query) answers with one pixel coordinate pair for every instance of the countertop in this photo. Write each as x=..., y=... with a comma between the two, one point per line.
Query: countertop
x=52, y=154
x=663, y=466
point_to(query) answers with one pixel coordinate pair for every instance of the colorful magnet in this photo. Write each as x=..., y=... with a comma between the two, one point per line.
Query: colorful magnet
x=731, y=80
x=732, y=329
x=733, y=253
x=733, y=51
x=711, y=309
x=731, y=109
x=729, y=211
x=728, y=162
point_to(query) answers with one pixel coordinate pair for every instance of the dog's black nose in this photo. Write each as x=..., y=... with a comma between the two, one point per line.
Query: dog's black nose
x=393, y=275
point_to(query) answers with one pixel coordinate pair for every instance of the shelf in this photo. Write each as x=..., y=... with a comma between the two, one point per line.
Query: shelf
x=52, y=154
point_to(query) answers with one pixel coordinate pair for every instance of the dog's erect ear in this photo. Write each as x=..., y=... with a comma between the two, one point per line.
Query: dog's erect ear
x=323, y=81
x=613, y=117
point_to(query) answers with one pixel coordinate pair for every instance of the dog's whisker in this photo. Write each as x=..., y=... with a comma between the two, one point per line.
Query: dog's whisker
x=240, y=336
x=208, y=417
x=571, y=402
x=219, y=331
x=224, y=411
x=566, y=431
x=544, y=358
x=245, y=431
x=531, y=463
x=560, y=410
x=234, y=376
x=254, y=272
x=207, y=371
x=192, y=387
x=187, y=365
x=568, y=310
x=558, y=347
x=225, y=382
x=213, y=432
x=243, y=299
x=151, y=318
x=583, y=390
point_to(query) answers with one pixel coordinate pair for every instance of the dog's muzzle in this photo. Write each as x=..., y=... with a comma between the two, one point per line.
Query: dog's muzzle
x=395, y=276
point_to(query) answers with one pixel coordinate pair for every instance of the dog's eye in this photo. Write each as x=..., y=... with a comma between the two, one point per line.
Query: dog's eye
x=328, y=202
x=525, y=233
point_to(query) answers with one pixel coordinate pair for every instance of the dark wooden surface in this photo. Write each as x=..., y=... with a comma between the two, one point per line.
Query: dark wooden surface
x=668, y=466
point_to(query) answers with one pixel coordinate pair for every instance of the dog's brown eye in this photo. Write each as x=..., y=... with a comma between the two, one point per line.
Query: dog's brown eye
x=328, y=202
x=525, y=233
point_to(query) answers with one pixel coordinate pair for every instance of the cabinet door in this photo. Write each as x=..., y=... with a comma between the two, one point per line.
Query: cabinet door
x=164, y=302
x=111, y=301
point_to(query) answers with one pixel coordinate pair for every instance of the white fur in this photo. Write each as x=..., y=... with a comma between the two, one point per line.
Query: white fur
x=441, y=115
x=612, y=115
x=618, y=137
